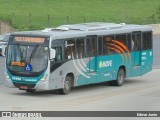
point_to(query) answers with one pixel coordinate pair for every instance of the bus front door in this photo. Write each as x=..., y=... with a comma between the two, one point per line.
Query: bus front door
x=136, y=37
x=91, y=51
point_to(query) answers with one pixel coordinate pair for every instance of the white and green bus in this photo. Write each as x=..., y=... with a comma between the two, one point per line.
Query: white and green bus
x=79, y=54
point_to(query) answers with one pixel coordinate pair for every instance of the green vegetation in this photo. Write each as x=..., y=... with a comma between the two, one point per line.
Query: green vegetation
x=36, y=14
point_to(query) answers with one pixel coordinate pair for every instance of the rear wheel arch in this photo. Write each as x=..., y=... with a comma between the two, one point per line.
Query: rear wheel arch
x=124, y=68
x=121, y=74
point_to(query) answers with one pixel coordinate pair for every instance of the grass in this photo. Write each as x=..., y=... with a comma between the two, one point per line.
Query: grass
x=36, y=14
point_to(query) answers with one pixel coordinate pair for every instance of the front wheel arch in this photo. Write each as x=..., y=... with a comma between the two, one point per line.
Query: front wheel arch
x=68, y=84
x=72, y=77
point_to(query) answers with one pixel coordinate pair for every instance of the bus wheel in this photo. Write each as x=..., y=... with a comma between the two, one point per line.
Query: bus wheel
x=120, y=78
x=30, y=90
x=67, y=86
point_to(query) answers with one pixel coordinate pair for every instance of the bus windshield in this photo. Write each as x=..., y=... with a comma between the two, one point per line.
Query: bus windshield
x=18, y=56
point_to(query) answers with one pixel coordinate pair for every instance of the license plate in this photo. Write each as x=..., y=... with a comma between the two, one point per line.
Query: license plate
x=23, y=87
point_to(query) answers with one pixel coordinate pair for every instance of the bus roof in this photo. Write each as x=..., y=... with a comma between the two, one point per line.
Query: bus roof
x=84, y=29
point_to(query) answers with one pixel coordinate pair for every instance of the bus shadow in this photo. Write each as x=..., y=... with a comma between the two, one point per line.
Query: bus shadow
x=105, y=85
x=133, y=81
x=90, y=87
x=42, y=93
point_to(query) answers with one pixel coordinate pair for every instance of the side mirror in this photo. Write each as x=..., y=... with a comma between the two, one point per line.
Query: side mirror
x=4, y=48
x=52, y=53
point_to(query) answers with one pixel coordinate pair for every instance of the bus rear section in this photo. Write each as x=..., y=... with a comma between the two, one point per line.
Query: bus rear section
x=141, y=53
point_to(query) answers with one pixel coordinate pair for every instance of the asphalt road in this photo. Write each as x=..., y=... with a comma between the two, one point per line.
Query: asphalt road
x=137, y=94
x=156, y=51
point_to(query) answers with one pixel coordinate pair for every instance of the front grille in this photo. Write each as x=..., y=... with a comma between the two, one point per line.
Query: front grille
x=29, y=86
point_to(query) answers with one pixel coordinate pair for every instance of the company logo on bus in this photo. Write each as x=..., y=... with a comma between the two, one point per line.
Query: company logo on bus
x=103, y=64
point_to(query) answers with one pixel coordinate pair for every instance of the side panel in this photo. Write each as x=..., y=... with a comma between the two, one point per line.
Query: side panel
x=107, y=67
x=57, y=75
x=146, y=64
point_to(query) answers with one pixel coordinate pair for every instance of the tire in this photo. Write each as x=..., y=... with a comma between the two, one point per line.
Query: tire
x=30, y=90
x=67, y=86
x=120, y=78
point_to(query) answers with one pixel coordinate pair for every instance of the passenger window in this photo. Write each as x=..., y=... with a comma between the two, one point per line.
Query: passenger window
x=91, y=46
x=80, y=48
x=121, y=39
x=70, y=49
x=125, y=42
x=147, y=41
x=100, y=47
x=129, y=42
x=108, y=45
x=58, y=56
x=136, y=41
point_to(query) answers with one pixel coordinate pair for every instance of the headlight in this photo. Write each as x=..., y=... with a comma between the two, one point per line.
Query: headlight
x=7, y=76
x=44, y=78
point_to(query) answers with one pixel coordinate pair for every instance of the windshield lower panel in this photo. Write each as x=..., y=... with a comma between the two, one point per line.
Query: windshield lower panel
x=27, y=60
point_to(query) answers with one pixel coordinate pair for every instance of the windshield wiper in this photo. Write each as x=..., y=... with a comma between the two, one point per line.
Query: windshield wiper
x=34, y=51
x=20, y=51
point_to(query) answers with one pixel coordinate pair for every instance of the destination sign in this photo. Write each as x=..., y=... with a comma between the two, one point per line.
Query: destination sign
x=29, y=39
x=21, y=64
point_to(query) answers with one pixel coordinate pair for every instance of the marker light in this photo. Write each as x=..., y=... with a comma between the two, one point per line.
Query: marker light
x=44, y=78
x=7, y=76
